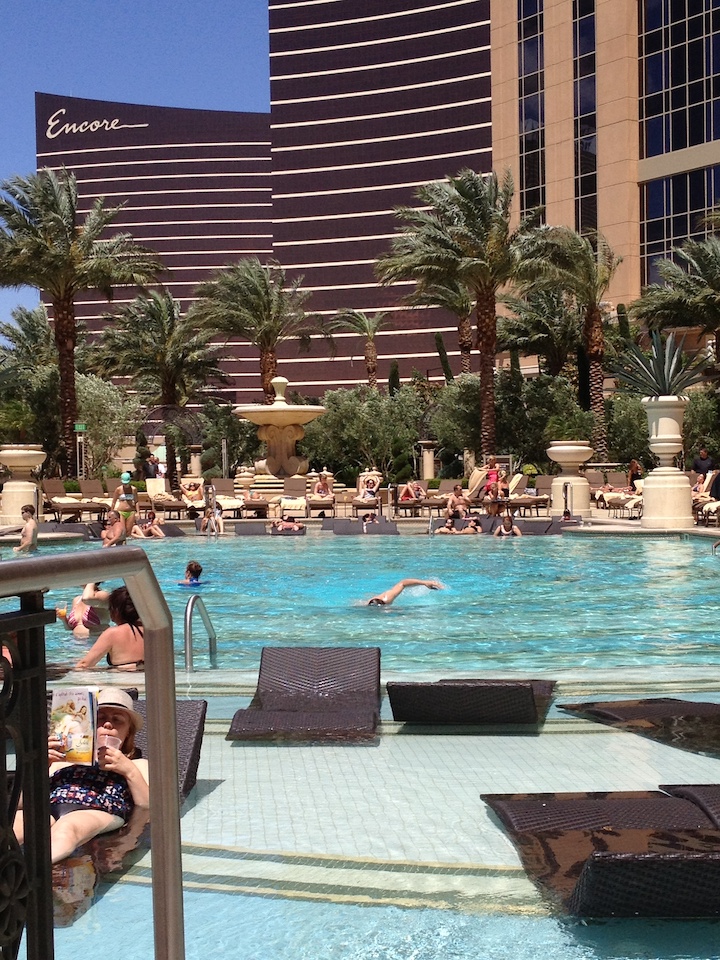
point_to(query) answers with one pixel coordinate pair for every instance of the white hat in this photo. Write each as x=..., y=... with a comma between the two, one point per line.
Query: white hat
x=115, y=697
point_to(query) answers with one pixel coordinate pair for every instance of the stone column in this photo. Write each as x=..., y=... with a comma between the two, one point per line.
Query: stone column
x=570, y=454
x=21, y=458
x=667, y=495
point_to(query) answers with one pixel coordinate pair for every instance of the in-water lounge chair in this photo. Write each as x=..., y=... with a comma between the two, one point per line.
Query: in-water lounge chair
x=688, y=724
x=626, y=854
x=190, y=723
x=313, y=693
x=471, y=701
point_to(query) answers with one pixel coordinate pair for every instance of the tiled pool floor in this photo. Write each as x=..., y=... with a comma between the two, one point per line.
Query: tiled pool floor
x=399, y=821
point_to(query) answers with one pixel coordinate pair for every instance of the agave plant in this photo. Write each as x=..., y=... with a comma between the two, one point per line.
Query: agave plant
x=667, y=372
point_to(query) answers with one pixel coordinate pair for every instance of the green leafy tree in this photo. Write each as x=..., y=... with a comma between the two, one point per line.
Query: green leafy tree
x=701, y=423
x=689, y=295
x=109, y=417
x=243, y=445
x=367, y=326
x=461, y=235
x=48, y=243
x=455, y=420
x=166, y=359
x=455, y=298
x=363, y=428
x=547, y=323
x=255, y=302
x=582, y=268
x=627, y=429
x=30, y=382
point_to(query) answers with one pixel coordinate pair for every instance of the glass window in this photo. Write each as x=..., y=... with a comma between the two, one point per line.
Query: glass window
x=696, y=59
x=654, y=105
x=696, y=125
x=586, y=96
x=695, y=8
x=654, y=137
x=653, y=41
x=530, y=85
x=585, y=36
x=585, y=8
x=696, y=28
x=530, y=55
x=678, y=192
x=654, y=73
x=696, y=182
x=586, y=65
x=655, y=202
x=528, y=8
x=678, y=130
x=655, y=230
x=678, y=66
x=678, y=10
x=678, y=32
x=678, y=98
x=653, y=14
x=530, y=26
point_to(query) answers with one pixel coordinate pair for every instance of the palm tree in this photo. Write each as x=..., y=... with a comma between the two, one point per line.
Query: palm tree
x=456, y=299
x=545, y=324
x=690, y=293
x=46, y=242
x=461, y=235
x=582, y=267
x=367, y=326
x=166, y=359
x=253, y=301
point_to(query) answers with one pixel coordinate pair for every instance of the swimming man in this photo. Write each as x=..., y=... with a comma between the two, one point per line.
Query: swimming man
x=385, y=599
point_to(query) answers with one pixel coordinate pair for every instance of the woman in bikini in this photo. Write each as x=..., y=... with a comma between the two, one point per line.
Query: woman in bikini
x=123, y=645
x=125, y=502
x=87, y=800
x=89, y=614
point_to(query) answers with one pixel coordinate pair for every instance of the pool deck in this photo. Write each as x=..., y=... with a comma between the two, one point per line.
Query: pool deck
x=400, y=821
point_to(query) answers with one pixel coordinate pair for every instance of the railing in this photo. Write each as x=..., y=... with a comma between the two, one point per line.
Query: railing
x=196, y=602
x=26, y=579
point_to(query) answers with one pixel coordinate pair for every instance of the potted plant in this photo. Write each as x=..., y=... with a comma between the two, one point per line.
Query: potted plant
x=663, y=376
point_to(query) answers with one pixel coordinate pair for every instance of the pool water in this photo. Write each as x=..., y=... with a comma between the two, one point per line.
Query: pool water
x=540, y=603
x=246, y=928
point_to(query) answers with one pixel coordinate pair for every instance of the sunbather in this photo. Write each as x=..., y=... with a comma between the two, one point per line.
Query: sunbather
x=386, y=598
x=86, y=801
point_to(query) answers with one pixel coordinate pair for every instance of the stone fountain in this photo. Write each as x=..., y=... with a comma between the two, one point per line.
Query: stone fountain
x=281, y=426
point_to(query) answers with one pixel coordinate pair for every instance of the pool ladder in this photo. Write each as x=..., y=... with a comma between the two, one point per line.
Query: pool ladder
x=196, y=601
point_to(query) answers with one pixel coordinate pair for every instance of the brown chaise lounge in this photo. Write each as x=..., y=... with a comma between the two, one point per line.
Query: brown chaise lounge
x=472, y=701
x=621, y=854
x=313, y=693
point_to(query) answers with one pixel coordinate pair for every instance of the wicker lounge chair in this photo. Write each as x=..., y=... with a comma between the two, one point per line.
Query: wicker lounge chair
x=472, y=701
x=232, y=506
x=190, y=716
x=64, y=505
x=163, y=500
x=686, y=724
x=617, y=854
x=313, y=693
x=325, y=506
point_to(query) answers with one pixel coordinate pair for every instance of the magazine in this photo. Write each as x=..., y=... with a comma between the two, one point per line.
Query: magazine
x=73, y=720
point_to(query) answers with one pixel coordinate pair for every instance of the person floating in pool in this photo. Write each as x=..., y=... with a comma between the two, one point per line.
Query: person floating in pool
x=193, y=572
x=385, y=599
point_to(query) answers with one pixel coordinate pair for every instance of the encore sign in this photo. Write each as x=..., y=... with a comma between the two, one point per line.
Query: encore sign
x=56, y=125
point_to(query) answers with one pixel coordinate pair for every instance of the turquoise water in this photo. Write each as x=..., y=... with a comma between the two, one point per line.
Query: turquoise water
x=247, y=928
x=540, y=603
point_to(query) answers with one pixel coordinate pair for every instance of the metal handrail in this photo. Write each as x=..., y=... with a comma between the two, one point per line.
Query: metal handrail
x=197, y=601
x=131, y=564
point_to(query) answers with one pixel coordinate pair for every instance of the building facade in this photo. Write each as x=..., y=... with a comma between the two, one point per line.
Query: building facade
x=194, y=185
x=607, y=112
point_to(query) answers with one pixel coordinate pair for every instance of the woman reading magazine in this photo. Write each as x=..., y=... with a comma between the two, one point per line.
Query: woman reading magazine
x=89, y=799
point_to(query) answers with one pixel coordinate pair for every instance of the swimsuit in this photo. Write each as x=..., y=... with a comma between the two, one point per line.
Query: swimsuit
x=89, y=618
x=80, y=787
x=127, y=663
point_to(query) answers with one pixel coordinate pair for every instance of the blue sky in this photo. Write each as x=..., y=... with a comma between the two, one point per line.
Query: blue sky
x=206, y=54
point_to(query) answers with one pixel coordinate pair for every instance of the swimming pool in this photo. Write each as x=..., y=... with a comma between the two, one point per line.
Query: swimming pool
x=540, y=603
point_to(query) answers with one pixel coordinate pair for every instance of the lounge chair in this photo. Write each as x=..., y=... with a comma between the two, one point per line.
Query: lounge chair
x=93, y=491
x=293, y=501
x=471, y=701
x=313, y=693
x=413, y=507
x=437, y=499
x=162, y=498
x=686, y=724
x=232, y=506
x=251, y=528
x=322, y=505
x=66, y=505
x=362, y=503
x=190, y=718
x=634, y=853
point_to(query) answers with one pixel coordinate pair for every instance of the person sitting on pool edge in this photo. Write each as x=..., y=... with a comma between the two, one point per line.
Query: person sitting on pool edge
x=507, y=528
x=193, y=572
x=386, y=598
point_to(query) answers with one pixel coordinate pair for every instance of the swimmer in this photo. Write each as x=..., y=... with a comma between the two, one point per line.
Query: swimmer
x=29, y=532
x=193, y=572
x=507, y=528
x=385, y=599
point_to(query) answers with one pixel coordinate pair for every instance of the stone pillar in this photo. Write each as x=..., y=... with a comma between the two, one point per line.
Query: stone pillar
x=427, y=467
x=667, y=495
x=195, y=466
x=570, y=454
